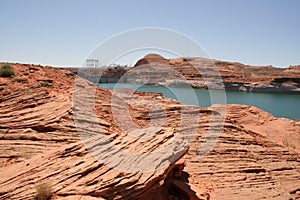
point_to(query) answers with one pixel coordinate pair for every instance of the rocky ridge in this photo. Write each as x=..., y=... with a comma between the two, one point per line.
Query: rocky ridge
x=256, y=155
x=205, y=73
x=214, y=74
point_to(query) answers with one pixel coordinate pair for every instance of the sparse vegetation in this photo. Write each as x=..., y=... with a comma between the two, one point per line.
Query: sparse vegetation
x=43, y=192
x=6, y=71
x=1, y=88
x=46, y=84
x=19, y=80
x=26, y=73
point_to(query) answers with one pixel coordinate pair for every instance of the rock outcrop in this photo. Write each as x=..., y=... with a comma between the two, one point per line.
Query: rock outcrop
x=48, y=136
x=215, y=74
x=152, y=59
x=251, y=159
x=91, y=143
x=154, y=69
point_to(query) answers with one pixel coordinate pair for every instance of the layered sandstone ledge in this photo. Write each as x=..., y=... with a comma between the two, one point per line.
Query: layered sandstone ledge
x=256, y=155
x=205, y=73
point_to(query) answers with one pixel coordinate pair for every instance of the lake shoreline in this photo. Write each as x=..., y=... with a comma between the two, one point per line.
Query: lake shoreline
x=185, y=94
x=257, y=87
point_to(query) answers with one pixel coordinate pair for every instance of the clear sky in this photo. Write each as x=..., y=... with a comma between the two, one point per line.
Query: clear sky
x=63, y=32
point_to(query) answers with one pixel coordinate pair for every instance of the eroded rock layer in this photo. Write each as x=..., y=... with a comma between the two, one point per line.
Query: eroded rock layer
x=154, y=69
x=90, y=143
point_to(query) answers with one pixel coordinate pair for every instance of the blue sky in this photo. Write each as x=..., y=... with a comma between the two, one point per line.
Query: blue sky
x=63, y=32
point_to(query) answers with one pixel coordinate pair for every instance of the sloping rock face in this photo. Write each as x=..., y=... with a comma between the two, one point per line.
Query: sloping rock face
x=91, y=143
x=49, y=136
x=249, y=160
x=35, y=118
x=280, y=130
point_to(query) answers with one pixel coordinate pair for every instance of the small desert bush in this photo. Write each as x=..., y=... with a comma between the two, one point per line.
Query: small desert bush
x=45, y=84
x=25, y=73
x=19, y=80
x=1, y=88
x=43, y=192
x=6, y=71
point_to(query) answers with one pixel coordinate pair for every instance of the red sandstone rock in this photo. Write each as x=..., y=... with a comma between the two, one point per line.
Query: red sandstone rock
x=154, y=69
x=256, y=155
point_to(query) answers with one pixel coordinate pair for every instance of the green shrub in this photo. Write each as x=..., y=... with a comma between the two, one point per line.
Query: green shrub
x=19, y=80
x=25, y=73
x=6, y=71
x=1, y=88
x=46, y=84
x=43, y=192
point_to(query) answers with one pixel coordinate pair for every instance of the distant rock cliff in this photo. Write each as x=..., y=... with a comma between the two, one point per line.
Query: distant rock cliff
x=214, y=74
x=154, y=69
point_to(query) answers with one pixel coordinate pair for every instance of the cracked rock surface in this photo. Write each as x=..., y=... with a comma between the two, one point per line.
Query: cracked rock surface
x=91, y=143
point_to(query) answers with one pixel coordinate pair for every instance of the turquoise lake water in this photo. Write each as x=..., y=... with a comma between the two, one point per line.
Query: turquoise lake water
x=280, y=105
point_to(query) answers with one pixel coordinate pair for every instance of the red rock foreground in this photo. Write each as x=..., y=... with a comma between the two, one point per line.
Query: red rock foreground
x=80, y=141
